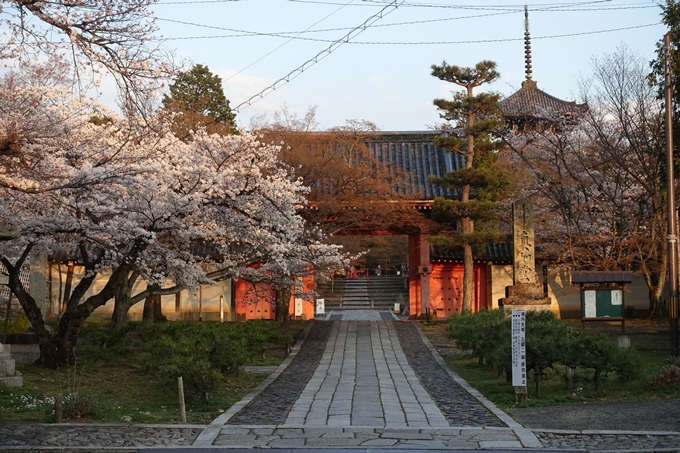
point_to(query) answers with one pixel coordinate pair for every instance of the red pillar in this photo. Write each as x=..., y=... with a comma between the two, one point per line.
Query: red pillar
x=419, y=274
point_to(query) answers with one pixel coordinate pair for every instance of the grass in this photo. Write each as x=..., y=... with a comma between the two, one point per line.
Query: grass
x=649, y=338
x=123, y=389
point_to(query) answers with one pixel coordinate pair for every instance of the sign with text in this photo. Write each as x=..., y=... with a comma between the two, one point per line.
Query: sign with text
x=320, y=306
x=519, y=363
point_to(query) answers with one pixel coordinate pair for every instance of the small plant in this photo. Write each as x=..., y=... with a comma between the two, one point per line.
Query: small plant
x=78, y=407
x=669, y=375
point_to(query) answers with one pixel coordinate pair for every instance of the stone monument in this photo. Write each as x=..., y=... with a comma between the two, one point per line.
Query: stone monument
x=526, y=290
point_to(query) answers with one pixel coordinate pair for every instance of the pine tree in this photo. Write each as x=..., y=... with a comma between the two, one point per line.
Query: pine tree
x=469, y=212
x=197, y=99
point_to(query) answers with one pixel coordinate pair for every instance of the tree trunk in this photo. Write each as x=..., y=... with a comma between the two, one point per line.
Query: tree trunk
x=59, y=349
x=122, y=302
x=152, y=308
x=120, y=310
x=282, y=303
x=8, y=312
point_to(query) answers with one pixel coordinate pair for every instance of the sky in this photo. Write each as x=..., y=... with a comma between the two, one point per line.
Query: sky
x=382, y=73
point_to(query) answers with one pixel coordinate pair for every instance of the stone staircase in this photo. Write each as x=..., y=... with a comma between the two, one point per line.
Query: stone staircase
x=8, y=375
x=378, y=292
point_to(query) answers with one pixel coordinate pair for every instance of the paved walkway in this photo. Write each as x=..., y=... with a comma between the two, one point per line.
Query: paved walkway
x=353, y=384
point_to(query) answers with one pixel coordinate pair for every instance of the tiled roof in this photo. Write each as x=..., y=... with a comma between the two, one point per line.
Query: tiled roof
x=417, y=156
x=496, y=253
x=530, y=102
x=601, y=277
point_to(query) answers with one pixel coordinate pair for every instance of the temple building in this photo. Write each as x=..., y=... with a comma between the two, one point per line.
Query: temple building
x=531, y=109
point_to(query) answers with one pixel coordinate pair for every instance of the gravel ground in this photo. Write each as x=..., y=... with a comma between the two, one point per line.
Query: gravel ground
x=457, y=405
x=626, y=416
x=272, y=405
x=78, y=435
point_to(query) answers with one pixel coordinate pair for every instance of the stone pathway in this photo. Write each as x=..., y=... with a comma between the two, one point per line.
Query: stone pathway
x=352, y=384
x=361, y=315
x=364, y=379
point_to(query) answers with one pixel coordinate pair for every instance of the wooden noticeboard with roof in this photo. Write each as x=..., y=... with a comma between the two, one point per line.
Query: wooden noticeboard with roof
x=602, y=295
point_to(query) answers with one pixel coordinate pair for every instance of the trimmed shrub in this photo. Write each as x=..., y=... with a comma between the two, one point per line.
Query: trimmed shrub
x=545, y=340
x=602, y=355
x=202, y=352
x=481, y=332
x=487, y=334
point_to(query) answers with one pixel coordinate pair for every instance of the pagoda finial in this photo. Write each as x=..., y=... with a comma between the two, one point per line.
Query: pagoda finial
x=527, y=43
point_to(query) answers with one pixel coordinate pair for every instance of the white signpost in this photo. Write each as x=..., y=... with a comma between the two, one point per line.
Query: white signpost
x=320, y=307
x=519, y=363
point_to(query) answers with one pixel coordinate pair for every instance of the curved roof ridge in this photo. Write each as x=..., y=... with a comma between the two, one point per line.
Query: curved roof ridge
x=530, y=101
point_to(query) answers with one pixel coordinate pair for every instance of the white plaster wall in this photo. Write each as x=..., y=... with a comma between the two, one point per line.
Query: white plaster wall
x=189, y=299
x=568, y=296
x=501, y=276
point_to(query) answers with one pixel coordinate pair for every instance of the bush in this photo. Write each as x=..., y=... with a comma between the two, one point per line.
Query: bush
x=80, y=407
x=548, y=342
x=602, y=355
x=202, y=352
x=669, y=375
x=545, y=340
x=103, y=341
x=18, y=323
x=481, y=332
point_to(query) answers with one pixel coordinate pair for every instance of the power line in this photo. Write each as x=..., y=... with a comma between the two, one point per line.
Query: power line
x=445, y=6
x=321, y=55
x=291, y=38
x=480, y=41
x=284, y=34
x=180, y=2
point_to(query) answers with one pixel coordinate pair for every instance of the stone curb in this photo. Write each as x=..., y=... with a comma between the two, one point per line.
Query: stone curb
x=587, y=432
x=526, y=437
x=210, y=433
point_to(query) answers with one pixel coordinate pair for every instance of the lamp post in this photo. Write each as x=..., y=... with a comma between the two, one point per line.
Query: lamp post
x=671, y=237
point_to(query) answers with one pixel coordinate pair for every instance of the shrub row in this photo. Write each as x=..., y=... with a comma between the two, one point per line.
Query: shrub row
x=549, y=342
x=199, y=352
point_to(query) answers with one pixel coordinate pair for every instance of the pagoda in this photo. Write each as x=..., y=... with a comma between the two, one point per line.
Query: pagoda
x=533, y=110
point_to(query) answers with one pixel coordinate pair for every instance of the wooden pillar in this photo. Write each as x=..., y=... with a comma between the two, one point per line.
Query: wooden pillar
x=419, y=274
x=425, y=269
x=413, y=277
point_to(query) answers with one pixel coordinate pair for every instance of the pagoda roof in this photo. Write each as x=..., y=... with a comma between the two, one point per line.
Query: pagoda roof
x=530, y=102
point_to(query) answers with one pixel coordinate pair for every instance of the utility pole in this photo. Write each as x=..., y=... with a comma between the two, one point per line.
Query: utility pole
x=671, y=237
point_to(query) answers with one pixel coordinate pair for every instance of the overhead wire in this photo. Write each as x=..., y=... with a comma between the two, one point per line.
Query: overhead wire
x=291, y=38
x=321, y=55
x=283, y=34
x=498, y=10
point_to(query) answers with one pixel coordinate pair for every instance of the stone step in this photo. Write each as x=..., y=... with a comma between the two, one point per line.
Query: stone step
x=7, y=367
x=12, y=381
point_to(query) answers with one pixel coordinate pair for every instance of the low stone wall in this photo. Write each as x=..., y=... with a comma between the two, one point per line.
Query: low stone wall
x=24, y=353
x=23, y=346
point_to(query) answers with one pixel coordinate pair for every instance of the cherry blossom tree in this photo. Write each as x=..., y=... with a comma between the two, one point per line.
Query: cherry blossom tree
x=598, y=185
x=96, y=36
x=128, y=198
